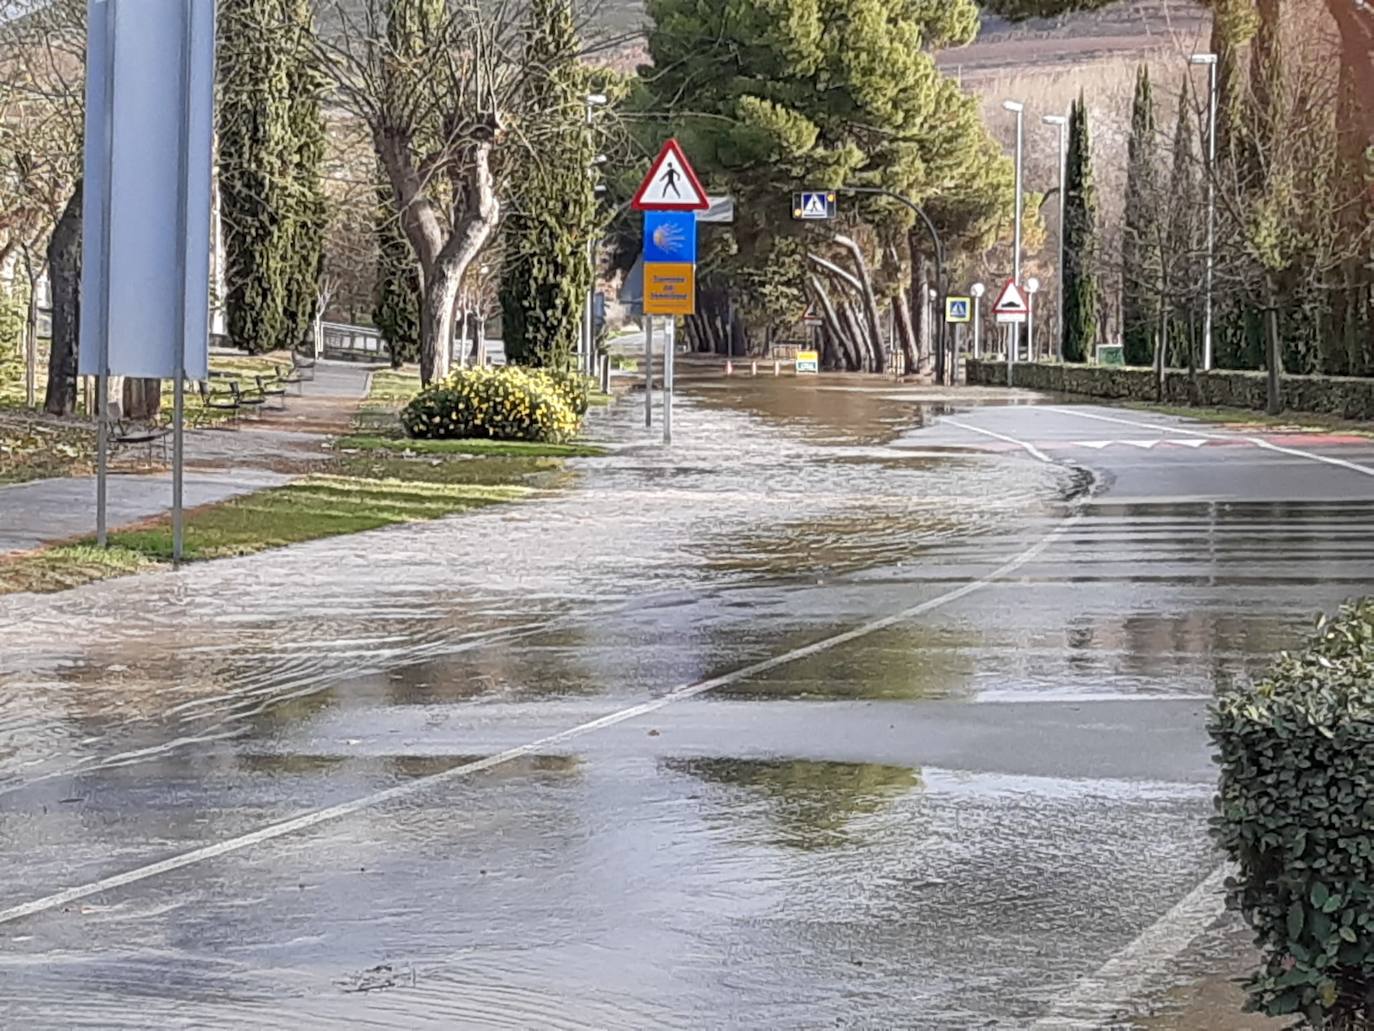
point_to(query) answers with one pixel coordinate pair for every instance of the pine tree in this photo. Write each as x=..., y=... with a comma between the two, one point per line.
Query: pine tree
x=271, y=145
x=547, y=270
x=1081, y=300
x=1140, y=254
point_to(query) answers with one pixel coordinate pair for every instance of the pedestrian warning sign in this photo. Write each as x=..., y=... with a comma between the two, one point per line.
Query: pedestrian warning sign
x=815, y=206
x=671, y=185
x=1011, y=304
x=958, y=309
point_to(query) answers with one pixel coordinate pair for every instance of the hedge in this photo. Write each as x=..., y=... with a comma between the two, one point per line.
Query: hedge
x=1295, y=812
x=1344, y=396
x=502, y=403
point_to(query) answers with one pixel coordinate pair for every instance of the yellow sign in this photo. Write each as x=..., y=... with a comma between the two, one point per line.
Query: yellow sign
x=808, y=361
x=670, y=288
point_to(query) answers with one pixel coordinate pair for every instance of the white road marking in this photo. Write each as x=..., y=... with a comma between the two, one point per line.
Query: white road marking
x=1147, y=445
x=1259, y=442
x=336, y=812
x=1034, y=451
x=1098, y=999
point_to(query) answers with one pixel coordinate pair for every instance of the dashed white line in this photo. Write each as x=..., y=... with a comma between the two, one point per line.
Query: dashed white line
x=336, y=812
x=1258, y=442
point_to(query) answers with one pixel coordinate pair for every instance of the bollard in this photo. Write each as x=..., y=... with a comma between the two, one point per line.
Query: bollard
x=777, y=368
x=729, y=367
x=753, y=368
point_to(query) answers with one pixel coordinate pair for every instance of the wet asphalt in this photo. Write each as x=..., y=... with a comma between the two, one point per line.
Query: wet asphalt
x=858, y=708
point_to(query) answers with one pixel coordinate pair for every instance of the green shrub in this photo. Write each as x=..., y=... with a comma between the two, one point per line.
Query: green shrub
x=1296, y=813
x=505, y=403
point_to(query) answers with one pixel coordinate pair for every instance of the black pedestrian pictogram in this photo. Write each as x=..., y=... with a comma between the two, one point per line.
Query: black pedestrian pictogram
x=669, y=179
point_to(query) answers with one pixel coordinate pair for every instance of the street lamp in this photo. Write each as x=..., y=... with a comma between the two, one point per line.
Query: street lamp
x=1063, y=124
x=978, y=290
x=593, y=101
x=1210, y=61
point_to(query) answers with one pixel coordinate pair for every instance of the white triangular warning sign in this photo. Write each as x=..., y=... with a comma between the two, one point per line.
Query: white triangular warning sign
x=815, y=207
x=1011, y=301
x=671, y=184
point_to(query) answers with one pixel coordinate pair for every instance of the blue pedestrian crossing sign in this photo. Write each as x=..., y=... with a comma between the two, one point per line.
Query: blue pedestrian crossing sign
x=815, y=205
x=958, y=309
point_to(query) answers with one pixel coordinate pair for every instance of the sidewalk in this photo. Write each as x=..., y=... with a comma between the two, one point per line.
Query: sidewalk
x=267, y=450
x=41, y=511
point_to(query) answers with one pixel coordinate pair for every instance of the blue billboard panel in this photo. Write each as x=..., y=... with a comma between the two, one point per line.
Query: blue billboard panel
x=670, y=237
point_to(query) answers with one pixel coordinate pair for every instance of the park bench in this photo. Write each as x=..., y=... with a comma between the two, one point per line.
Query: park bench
x=214, y=401
x=126, y=434
x=271, y=388
x=252, y=400
x=302, y=366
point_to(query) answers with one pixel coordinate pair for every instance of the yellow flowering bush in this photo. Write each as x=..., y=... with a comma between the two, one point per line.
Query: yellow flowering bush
x=501, y=403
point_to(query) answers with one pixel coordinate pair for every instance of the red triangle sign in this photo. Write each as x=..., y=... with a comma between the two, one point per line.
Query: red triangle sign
x=671, y=185
x=1011, y=301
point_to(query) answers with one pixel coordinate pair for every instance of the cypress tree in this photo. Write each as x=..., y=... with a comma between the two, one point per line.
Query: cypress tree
x=396, y=299
x=1080, y=241
x=1183, y=238
x=271, y=145
x=547, y=270
x=253, y=120
x=1140, y=255
x=303, y=257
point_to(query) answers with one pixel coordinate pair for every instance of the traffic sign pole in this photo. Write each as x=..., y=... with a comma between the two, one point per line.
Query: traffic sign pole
x=669, y=345
x=648, y=371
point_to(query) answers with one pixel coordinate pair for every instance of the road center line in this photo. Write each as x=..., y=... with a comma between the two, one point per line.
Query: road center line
x=1259, y=442
x=1034, y=451
x=681, y=693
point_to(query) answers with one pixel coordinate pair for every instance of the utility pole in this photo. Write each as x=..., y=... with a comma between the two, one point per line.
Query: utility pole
x=587, y=358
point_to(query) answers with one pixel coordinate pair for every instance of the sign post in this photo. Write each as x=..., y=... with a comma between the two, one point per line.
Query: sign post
x=146, y=219
x=670, y=196
x=977, y=290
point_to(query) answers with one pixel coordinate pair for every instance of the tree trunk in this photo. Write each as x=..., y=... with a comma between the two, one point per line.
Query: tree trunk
x=142, y=398
x=1273, y=347
x=856, y=331
x=436, y=324
x=832, y=321
x=869, y=300
x=1162, y=347
x=1355, y=22
x=916, y=301
x=911, y=350
x=64, y=270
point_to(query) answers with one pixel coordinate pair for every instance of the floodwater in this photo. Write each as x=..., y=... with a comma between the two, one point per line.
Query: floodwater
x=977, y=772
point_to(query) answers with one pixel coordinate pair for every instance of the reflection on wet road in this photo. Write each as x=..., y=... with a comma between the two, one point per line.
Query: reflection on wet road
x=944, y=821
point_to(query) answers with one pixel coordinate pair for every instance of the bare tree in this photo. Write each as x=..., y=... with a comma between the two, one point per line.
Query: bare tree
x=437, y=89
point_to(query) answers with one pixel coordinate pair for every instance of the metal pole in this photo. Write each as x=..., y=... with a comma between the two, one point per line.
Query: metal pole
x=1020, y=150
x=648, y=371
x=1030, y=327
x=179, y=388
x=1012, y=338
x=101, y=458
x=1063, y=179
x=588, y=332
x=977, y=327
x=102, y=399
x=1207, y=356
x=31, y=355
x=669, y=346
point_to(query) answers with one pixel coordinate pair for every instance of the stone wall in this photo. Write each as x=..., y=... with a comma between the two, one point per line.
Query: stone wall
x=1343, y=396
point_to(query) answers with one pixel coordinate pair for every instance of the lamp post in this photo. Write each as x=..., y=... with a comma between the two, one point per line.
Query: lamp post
x=1017, y=108
x=1063, y=124
x=978, y=290
x=593, y=101
x=1211, y=62
x=1032, y=288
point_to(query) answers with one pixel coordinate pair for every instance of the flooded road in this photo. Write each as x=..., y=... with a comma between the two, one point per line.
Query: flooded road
x=841, y=713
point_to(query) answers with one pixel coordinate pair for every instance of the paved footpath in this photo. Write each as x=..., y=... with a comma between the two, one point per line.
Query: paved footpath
x=45, y=511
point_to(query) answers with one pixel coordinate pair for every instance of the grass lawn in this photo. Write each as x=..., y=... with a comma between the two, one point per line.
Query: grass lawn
x=472, y=446
x=312, y=508
x=37, y=449
x=1249, y=417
